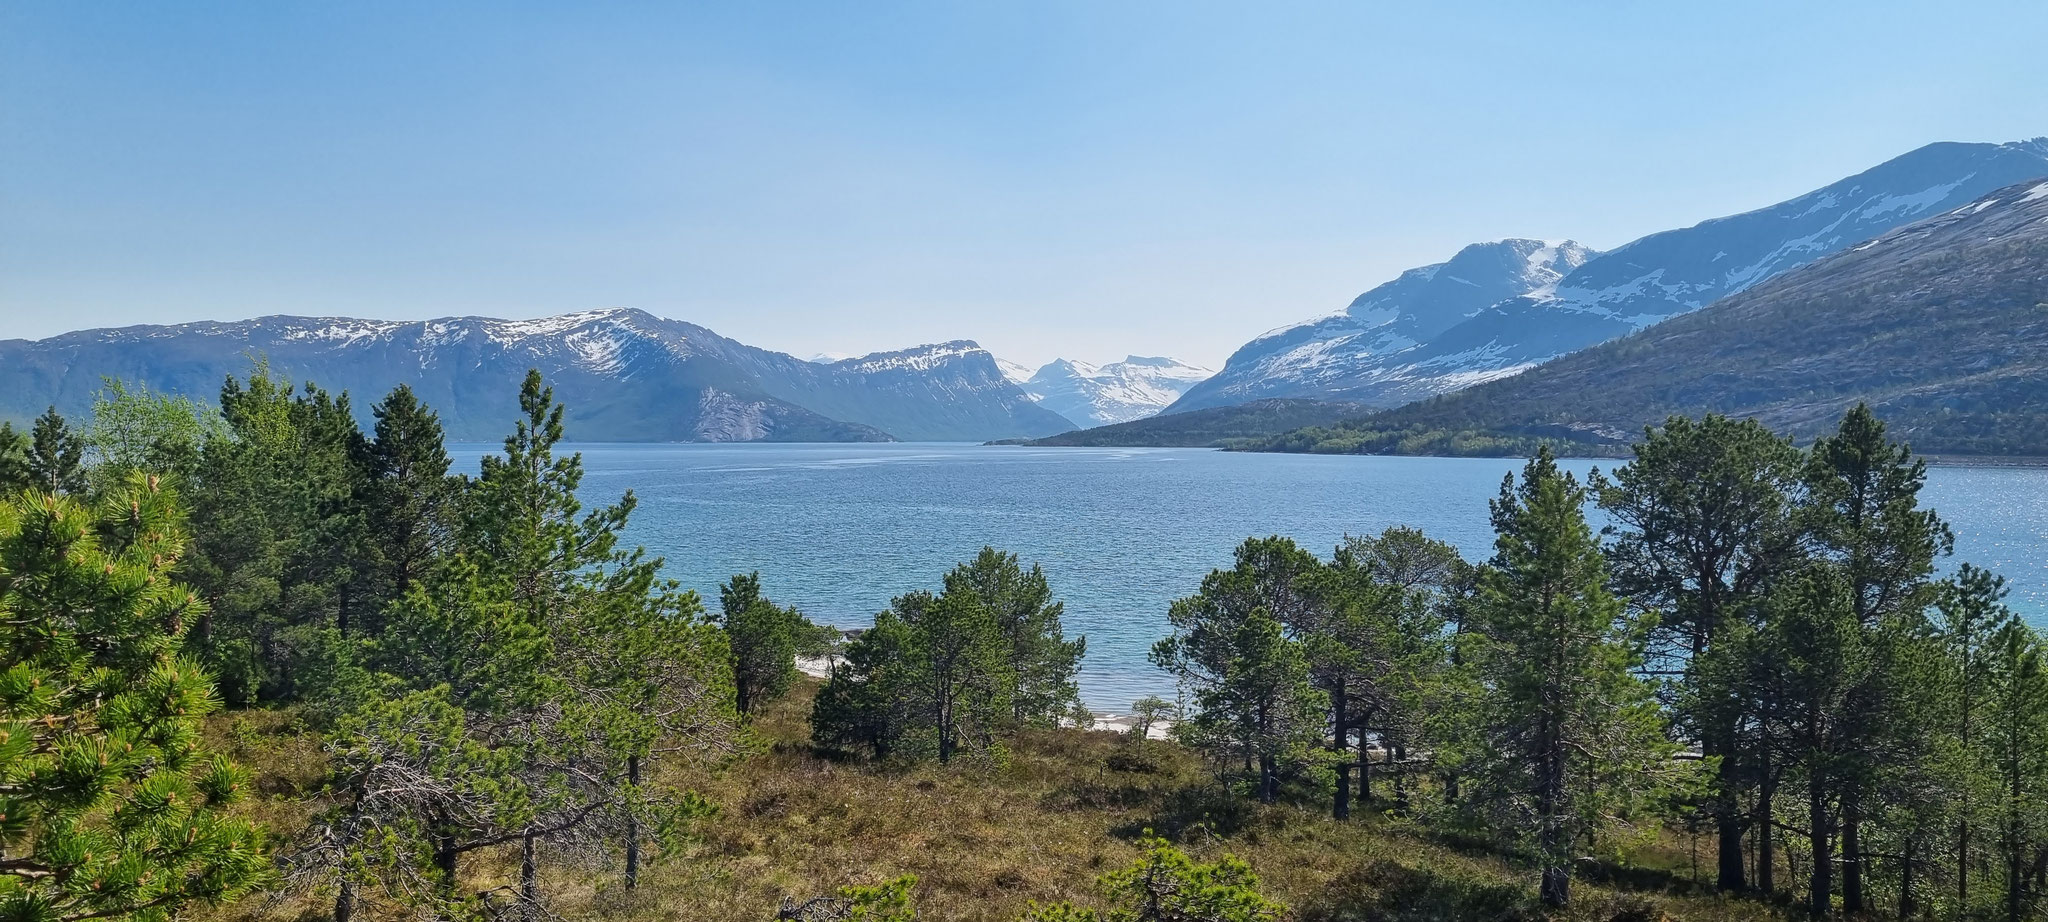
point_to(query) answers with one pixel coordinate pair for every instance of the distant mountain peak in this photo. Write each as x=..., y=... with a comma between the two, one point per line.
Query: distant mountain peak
x=1494, y=309
x=1937, y=325
x=624, y=373
x=1118, y=392
x=919, y=358
x=1018, y=374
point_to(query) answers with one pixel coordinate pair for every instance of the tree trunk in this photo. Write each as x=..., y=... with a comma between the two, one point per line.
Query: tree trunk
x=1557, y=874
x=529, y=876
x=1557, y=887
x=632, y=828
x=1401, y=775
x=1340, y=805
x=1909, y=905
x=1766, y=842
x=945, y=729
x=445, y=856
x=2015, y=880
x=1727, y=816
x=1852, y=856
x=1269, y=779
x=345, y=901
x=1963, y=866
x=1820, y=896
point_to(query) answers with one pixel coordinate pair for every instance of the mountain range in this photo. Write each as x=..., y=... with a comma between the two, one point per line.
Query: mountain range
x=625, y=375
x=1941, y=325
x=1495, y=309
x=1100, y=395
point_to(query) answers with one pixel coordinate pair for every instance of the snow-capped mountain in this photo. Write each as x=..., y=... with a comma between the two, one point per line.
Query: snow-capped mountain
x=1018, y=374
x=1326, y=355
x=625, y=375
x=1099, y=395
x=1938, y=325
x=1372, y=354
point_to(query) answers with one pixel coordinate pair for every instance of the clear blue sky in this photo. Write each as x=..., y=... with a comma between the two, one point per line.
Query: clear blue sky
x=1078, y=179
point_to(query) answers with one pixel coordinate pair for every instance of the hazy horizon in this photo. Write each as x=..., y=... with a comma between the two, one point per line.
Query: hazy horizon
x=1073, y=180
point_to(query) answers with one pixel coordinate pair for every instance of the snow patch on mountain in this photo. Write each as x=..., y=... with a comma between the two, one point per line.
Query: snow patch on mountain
x=1118, y=392
x=920, y=358
x=1332, y=353
x=1496, y=309
x=628, y=374
x=1018, y=374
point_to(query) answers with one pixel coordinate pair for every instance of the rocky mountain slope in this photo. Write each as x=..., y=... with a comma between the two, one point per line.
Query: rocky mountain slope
x=626, y=375
x=1942, y=326
x=1426, y=333
x=1119, y=392
x=1338, y=353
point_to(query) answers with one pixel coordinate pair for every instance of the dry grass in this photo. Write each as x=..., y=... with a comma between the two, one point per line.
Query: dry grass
x=984, y=843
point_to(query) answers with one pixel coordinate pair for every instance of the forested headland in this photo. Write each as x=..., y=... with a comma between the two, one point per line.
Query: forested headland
x=264, y=662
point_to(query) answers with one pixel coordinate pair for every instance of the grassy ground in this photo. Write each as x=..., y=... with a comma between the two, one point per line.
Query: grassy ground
x=984, y=843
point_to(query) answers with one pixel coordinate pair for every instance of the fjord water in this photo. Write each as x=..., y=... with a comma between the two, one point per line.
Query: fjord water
x=839, y=529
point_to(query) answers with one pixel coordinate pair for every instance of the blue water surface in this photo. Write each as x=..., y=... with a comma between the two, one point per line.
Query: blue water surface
x=837, y=530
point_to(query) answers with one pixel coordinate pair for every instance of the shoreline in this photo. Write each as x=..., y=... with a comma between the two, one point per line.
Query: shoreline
x=818, y=667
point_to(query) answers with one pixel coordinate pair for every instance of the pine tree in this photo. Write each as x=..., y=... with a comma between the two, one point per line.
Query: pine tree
x=1165, y=885
x=1702, y=524
x=937, y=675
x=1042, y=659
x=113, y=806
x=930, y=679
x=1817, y=673
x=1376, y=647
x=1971, y=620
x=408, y=503
x=2016, y=701
x=763, y=640
x=14, y=474
x=523, y=683
x=865, y=704
x=1248, y=682
x=1571, y=740
x=279, y=537
x=959, y=673
x=1862, y=512
x=564, y=571
x=56, y=458
x=1149, y=712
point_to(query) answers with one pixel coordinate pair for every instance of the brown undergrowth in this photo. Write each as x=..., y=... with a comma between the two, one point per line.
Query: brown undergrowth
x=984, y=842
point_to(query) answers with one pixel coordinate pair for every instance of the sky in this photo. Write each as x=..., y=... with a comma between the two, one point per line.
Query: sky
x=1051, y=179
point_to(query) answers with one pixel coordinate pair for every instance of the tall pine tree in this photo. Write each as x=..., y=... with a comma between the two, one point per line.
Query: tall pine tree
x=1862, y=512
x=1702, y=522
x=56, y=457
x=408, y=502
x=1570, y=740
